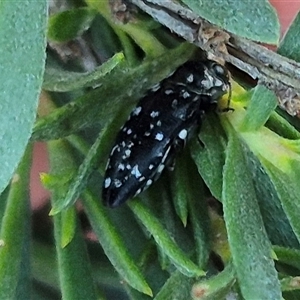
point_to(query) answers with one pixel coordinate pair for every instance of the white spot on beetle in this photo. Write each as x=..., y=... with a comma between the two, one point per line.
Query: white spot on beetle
x=159, y=136
x=129, y=131
x=182, y=134
x=151, y=126
x=117, y=183
x=218, y=82
x=142, y=178
x=127, y=152
x=137, y=111
x=137, y=192
x=186, y=95
x=160, y=168
x=130, y=144
x=107, y=182
x=121, y=167
x=149, y=182
x=190, y=78
x=174, y=103
x=150, y=167
x=154, y=114
x=128, y=167
x=169, y=91
x=147, y=133
x=158, y=123
x=135, y=172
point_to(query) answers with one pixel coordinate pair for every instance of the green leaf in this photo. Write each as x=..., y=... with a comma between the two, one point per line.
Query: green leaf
x=112, y=244
x=216, y=287
x=288, y=191
x=262, y=104
x=288, y=256
x=290, y=44
x=163, y=239
x=200, y=221
x=176, y=287
x=280, y=158
x=249, y=244
x=74, y=268
x=137, y=30
x=59, y=80
x=283, y=154
x=69, y=24
x=73, y=264
x=44, y=264
x=290, y=284
x=15, y=234
x=22, y=58
x=282, y=127
x=276, y=222
x=188, y=188
x=209, y=157
x=188, y=198
x=79, y=181
x=60, y=154
x=180, y=191
x=105, y=41
x=68, y=226
x=257, y=22
x=219, y=238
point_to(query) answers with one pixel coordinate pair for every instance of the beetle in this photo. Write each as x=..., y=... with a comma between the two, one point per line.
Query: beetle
x=159, y=126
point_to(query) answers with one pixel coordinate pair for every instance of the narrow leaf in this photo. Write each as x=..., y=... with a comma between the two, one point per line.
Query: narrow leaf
x=288, y=256
x=257, y=22
x=201, y=224
x=176, y=287
x=44, y=264
x=112, y=244
x=59, y=80
x=68, y=226
x=290, y=44
x=290, y=284
x=249, y=244
x=79, y=181
x=15, y=232
x=180, y=190
x=163, y=239
x=216, y=287
x=262, y=104
x=69, y=24
x=209, y=157
x=73, y=264
x=276, y=222
x=74, y=267
x=282, y=127
x=22, y=58
x=288, y=192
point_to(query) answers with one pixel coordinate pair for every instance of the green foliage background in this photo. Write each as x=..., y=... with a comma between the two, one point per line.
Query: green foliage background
x=176, y=241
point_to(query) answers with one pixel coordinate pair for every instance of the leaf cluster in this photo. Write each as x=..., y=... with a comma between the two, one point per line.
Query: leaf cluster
x=224, y=223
